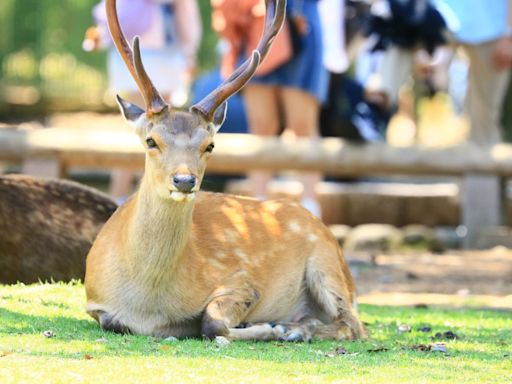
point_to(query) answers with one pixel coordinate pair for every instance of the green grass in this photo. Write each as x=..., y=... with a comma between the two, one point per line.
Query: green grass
x=80, y=352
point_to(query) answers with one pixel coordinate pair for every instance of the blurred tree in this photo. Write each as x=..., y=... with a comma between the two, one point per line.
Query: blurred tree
x=41, y=55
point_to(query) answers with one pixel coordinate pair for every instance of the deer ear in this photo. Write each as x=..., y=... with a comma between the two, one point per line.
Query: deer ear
x=219, y=116
x=130, y=111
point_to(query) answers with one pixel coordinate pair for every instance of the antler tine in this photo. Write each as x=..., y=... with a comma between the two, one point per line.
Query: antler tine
x=274, y=18
x=133, y=61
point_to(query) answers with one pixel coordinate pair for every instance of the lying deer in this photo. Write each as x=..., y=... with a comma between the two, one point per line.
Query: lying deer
x=173, y=261
x=47, y=227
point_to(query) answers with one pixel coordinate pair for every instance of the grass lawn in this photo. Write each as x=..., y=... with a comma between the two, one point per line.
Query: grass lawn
x=79, y=352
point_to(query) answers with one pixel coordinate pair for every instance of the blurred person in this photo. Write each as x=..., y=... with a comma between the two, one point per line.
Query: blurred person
x=292, y=82
x=411, y=35
x=347, y=113
x=484, y=29
x=170, y=33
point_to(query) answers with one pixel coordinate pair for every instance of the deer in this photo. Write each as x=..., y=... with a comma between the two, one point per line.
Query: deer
x=47, y=227
x=174, y=261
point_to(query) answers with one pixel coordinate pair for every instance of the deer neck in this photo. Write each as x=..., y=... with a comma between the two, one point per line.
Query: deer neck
x=158, y=233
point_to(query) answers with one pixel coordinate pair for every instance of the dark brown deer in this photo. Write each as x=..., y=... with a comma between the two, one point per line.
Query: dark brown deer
x=47, y=227
x=173, y=261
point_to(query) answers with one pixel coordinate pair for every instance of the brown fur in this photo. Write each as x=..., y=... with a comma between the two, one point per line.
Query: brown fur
x=47, y=227
x=168, y=263
x=167, y=268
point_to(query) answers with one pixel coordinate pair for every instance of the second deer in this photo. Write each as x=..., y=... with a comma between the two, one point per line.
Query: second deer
x=173, y=261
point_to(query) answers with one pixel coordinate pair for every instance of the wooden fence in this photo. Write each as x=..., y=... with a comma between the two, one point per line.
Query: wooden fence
x=481, y=168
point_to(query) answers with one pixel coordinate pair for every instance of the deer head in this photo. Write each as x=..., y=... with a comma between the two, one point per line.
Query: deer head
x=178, y=144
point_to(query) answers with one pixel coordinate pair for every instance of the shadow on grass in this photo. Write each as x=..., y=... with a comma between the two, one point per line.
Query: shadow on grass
x=384, y=345
x=21, y=323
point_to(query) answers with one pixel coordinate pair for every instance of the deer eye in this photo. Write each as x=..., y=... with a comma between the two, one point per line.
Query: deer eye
x=209, y=148
x=151, y=143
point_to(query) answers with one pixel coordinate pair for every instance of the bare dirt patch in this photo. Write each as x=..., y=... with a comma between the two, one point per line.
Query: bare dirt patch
x=455, y=278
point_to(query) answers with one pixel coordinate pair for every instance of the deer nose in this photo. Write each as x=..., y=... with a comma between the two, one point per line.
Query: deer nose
x=184, y=183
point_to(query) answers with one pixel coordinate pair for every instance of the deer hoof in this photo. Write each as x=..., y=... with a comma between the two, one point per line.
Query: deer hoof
x=295, y=337
x=277, y=331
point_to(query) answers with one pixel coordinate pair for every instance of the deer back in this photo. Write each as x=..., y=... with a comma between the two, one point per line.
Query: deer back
x=47, y=227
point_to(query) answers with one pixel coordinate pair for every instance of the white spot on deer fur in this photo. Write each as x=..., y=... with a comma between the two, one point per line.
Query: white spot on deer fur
x=220, y=255
x=294, y=226
x=312, y=237
x=240, y=254
x=231, y=236
x=218, y=265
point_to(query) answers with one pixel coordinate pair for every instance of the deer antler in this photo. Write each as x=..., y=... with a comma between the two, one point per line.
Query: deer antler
x=153, y=100
x=274, y=18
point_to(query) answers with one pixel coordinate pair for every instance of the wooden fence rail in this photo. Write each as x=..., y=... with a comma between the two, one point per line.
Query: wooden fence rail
x=237, y=153
x=480, y=167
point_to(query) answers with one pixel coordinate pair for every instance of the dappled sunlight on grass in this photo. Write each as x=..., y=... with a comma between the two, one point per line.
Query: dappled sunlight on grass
x=80, y=351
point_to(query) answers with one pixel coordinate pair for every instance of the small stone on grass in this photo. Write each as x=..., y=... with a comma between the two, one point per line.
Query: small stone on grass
x=221, y=341
x=48, y=334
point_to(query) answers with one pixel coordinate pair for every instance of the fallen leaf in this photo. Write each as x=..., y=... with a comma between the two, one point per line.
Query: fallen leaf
x=88, y=357
x=420, y=347
x=449, y=335
x=165, y=347
x=3, y=354
x=338, y=351
x=377, y=349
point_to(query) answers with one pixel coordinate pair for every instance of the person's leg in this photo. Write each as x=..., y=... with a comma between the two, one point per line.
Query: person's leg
x=263, y=117
x=301, y=111
x=394, y=70
x=486, y=93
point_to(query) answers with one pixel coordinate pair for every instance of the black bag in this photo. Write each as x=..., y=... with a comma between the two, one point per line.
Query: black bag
x=347, y=115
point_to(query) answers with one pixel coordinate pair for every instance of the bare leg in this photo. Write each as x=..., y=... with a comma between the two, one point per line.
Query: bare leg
x=301, y=113
x=395, y=69
x=263, y=115
x=487, y=88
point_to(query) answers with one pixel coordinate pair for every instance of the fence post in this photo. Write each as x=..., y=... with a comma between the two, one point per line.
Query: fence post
x=482, y=205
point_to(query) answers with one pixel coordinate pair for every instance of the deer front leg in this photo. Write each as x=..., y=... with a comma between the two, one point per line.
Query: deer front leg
x=228, y=310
